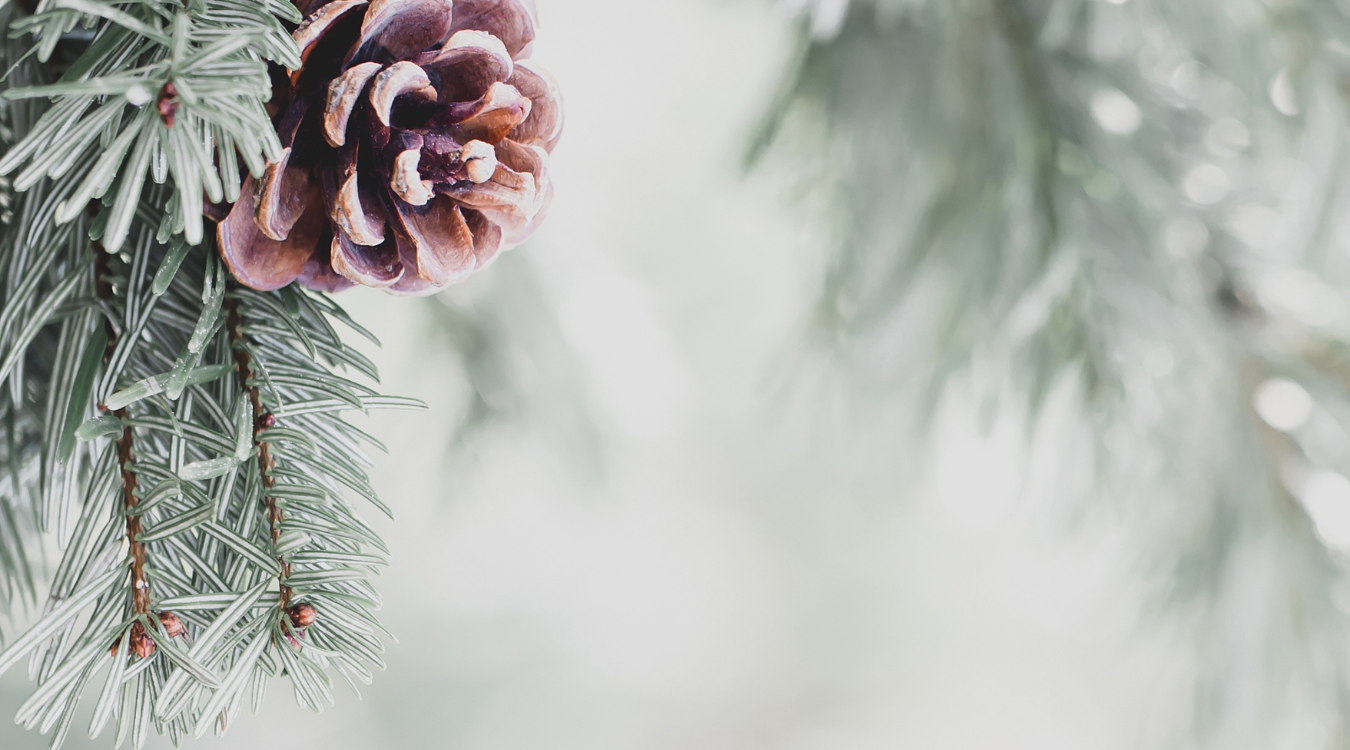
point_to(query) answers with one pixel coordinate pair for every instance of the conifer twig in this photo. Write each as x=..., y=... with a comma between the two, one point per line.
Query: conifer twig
x=140, y=584
x=262, y=419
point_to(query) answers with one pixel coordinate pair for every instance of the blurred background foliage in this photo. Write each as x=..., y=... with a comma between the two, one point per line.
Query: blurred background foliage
x=1141, y=203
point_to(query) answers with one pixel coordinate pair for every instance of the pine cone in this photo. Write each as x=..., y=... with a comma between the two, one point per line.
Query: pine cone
x=416, y=139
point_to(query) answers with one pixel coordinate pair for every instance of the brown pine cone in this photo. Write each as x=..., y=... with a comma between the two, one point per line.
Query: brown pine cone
x=416, y=139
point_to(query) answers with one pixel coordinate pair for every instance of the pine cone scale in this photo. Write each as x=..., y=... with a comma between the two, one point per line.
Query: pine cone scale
x=343, y=95
x=544, y=124
x=318, y=272
x=336, y=19
x=468, y=65
x=421, y=138
x=257, y=260
x=398, y=29
x=511, y=21
x=353, y=208
x=491, y=118
x=406, y=181
x=374, y=266
x=442, y=244
x=402, y=79
x=512, y=198
x=281, y=197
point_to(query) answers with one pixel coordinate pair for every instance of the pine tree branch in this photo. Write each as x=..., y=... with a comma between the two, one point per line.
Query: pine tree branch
x=245, y=553
x=202, y=66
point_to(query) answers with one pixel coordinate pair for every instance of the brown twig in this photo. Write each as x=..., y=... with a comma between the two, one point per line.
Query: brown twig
x=140, y=592
x=262, y=419
x=140, y=584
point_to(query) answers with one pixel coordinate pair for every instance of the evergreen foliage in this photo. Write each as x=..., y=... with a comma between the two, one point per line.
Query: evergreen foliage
x=179, y=437
x=1141, y=202
x=205, y=62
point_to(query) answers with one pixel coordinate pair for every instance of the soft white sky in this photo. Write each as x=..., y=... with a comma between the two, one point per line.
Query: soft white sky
x=733, y=580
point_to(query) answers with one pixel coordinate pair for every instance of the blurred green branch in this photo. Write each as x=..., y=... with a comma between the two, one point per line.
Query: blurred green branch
x=1140, y=202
